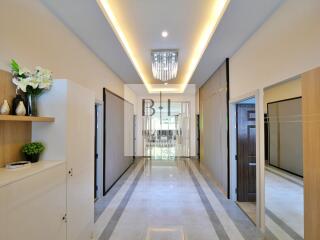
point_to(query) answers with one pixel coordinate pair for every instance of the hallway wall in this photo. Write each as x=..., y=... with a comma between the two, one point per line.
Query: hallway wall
x=285, y=46
x=214, y=126
x=33, y=36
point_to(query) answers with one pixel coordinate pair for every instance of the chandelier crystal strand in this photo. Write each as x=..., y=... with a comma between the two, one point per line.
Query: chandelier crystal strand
x=164, y=64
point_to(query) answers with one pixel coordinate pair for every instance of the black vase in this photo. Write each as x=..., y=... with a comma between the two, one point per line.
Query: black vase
x=32, y=158
x=32, y=109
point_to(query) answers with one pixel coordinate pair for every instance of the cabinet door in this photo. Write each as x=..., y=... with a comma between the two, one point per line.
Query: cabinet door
x=36, y=206
x=80, y=161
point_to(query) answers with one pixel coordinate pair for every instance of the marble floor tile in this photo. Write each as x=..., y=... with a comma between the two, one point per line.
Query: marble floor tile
x=285, y=202
x=172, y=200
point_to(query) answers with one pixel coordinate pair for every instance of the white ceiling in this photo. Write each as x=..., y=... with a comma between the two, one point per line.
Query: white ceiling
x=147, y=18
x=142, y=21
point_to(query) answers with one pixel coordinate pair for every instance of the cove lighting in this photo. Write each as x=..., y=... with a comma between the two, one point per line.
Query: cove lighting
x=209, y=27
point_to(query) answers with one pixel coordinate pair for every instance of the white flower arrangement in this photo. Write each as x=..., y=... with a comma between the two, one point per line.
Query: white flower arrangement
x=31, y=82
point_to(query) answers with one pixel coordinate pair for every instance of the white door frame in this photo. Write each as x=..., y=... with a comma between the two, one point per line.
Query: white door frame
x=260, y=161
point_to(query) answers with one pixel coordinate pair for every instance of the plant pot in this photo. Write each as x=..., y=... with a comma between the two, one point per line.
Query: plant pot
x=32, y=158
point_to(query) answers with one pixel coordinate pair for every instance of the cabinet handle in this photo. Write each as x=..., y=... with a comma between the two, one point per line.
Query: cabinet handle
x=70, y=172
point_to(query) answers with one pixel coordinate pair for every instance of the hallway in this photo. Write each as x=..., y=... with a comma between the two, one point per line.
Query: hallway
x=171, y=200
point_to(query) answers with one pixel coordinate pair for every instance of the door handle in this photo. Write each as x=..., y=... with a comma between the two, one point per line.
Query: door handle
x=252, y=164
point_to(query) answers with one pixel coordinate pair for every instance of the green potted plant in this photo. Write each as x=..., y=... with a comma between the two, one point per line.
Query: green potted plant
x=32, y=151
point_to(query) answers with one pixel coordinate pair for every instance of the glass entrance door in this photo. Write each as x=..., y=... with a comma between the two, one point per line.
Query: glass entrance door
x=167, y=133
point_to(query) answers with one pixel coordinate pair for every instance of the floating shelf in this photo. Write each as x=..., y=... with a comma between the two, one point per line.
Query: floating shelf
x=14, y=118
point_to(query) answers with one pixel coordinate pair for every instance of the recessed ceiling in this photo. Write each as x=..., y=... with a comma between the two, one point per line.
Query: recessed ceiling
x=144, y=20
x=138, y=25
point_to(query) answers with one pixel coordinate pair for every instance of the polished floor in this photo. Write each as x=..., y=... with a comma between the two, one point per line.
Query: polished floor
x=249, y=208
x=170, y=200
x=284, y=204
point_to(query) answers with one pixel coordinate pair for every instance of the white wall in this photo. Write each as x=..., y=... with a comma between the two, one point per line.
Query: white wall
x=285, y=46
x=33, y=36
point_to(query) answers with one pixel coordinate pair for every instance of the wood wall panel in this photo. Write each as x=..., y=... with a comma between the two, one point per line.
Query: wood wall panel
x=311, y=152
x=13, y=135
x=213, y=104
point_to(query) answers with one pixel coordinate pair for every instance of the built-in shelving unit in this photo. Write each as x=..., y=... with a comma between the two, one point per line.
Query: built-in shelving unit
x=14, y=118
x=15, y=131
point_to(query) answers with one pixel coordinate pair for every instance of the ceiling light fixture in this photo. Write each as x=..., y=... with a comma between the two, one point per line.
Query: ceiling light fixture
x=164, y=34
x=164, y=64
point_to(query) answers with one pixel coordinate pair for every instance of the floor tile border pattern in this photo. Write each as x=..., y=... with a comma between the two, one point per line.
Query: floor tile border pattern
x=105, y=217
x=219, y=230
x=276, y=230
x=228, y=224
x=105, y=200
x=285, y=231
x=212, y=204
x=293, y=234
x=107, y=233
x=247, y=228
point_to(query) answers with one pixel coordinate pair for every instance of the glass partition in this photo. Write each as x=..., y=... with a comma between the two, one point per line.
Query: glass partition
x=166, y=134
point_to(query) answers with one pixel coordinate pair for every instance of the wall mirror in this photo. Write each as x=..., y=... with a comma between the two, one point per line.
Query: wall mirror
x=284, y=207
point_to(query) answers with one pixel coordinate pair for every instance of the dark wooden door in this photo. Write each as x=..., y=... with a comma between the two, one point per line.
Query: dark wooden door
x=246, y=153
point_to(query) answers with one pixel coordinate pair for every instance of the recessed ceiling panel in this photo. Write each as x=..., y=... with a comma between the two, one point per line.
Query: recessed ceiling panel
x=139, y=25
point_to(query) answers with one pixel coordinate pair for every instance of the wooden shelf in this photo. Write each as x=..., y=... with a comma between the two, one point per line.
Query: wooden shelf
x=14, y=118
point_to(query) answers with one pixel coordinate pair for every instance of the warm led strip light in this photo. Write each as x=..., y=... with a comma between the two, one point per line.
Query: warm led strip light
x=210, y=26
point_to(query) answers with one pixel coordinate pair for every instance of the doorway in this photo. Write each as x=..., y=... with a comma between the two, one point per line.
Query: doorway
x=166, y=134
x=98, y=160
x=246, y=157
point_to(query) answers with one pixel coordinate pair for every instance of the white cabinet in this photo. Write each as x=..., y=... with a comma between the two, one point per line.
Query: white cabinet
x=32, y=208
x=80, y=162
x=71, y=137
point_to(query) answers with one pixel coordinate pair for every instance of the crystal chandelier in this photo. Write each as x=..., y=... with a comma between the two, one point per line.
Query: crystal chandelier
x=164, y=64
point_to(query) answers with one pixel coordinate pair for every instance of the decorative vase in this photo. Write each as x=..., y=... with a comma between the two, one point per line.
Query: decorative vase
x=16, y=101
x=32, y=158
x=32, y=109
x=5, y=109
x=21, y=110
